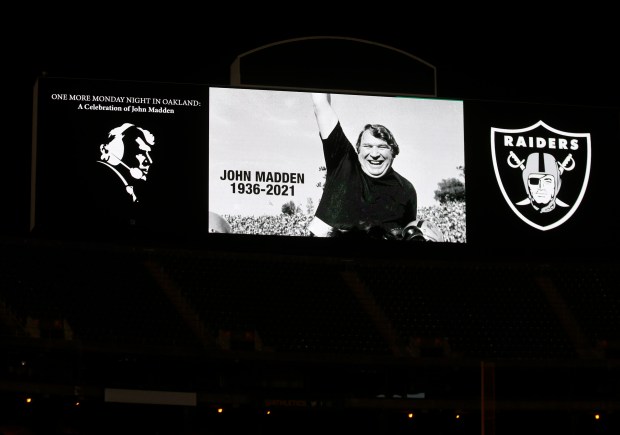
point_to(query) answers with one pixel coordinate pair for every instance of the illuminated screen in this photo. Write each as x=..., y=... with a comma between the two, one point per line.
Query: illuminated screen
x=271, y=173
x=119, y=161
x=281, y=171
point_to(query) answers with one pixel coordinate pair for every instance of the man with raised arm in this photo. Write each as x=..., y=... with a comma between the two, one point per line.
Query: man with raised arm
x=362, y=190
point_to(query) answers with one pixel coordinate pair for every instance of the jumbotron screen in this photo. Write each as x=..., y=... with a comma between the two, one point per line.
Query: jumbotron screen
x=314, y=172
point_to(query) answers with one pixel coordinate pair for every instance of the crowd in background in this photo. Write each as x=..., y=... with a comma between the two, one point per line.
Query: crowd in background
x=449, y=217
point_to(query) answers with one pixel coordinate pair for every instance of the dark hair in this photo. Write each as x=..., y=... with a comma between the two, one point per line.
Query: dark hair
x=380, y=132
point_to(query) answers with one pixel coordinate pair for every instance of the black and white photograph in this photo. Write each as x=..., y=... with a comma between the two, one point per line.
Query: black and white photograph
x=270, y=174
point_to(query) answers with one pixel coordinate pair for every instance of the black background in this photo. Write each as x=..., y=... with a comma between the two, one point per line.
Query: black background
x=68, y=201
x=492, y=224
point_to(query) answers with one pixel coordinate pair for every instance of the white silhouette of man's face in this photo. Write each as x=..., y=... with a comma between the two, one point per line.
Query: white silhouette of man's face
x=129, y=150
x=143, y=157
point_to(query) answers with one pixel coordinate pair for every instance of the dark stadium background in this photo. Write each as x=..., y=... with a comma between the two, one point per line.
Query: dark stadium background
x=507, y=346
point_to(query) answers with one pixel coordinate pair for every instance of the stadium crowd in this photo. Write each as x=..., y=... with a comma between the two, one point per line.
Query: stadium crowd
x=449, y=217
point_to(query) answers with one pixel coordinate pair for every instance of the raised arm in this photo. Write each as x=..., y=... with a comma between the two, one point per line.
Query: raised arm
x=326, y=116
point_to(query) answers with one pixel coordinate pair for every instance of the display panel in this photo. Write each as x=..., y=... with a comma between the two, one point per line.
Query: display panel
x=281, y=172
x=270, y=172
x=116, y=160
x=539, y=185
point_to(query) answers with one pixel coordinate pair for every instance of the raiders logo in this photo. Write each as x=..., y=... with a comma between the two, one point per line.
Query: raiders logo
x=542, y=172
